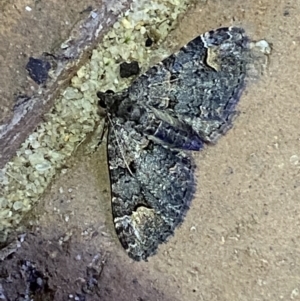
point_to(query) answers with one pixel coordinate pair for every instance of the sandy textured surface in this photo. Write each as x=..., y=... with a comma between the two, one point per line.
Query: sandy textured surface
x=239, y=240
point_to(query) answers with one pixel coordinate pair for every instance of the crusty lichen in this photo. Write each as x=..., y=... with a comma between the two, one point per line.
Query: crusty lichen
x=74, y=115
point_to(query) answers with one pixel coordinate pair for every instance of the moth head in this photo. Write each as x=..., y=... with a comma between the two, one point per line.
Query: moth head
x=120, y=105
x=109, y=101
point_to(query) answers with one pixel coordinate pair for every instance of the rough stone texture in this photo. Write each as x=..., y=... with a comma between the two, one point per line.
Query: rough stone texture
x=240, y=239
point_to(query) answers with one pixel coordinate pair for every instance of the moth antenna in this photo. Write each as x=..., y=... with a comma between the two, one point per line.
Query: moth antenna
x=119, y=145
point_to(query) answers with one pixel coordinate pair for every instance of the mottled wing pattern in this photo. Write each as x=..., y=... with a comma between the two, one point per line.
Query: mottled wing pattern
x=177, y=105
x=152, y=187
x=201, y=84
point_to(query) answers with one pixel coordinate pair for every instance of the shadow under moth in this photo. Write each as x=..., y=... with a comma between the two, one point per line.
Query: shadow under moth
x=187, y=100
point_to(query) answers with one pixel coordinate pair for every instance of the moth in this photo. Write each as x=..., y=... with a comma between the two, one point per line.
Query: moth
x=184, y=102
